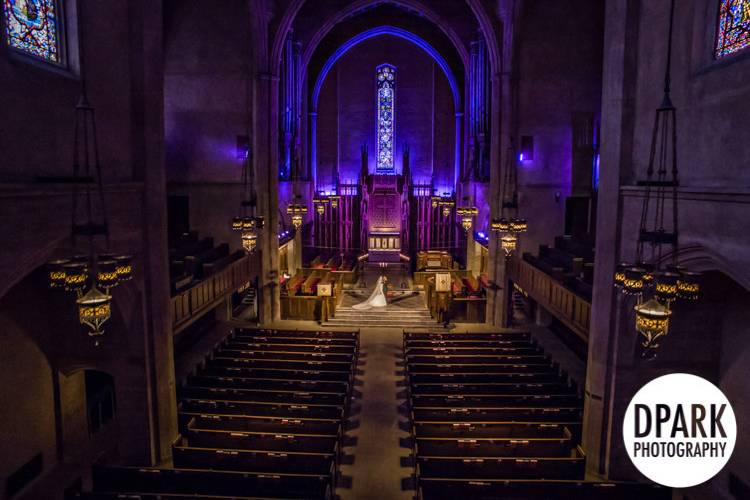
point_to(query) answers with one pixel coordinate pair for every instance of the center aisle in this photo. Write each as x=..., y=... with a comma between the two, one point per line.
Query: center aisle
x=376, y=472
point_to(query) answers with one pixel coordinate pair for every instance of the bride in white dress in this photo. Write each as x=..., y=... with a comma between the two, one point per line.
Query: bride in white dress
x=377, y=298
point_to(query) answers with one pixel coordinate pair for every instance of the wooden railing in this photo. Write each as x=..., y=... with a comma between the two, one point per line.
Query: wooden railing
x=572, y=310
x=194, y=302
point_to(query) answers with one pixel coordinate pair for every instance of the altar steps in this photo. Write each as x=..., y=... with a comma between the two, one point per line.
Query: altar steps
x=389, y=317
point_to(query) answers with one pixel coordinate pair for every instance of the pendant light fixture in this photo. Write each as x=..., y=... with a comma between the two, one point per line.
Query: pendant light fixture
x=297, y=210
x=655, y=286
x=91, y=275
x=247, y=223
x=509, y=225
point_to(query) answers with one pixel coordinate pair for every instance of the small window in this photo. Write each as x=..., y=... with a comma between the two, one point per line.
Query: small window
x=100, y=399
x=34, y=28
x=733, y=31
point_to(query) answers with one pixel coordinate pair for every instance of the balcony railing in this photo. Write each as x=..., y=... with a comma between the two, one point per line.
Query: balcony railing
x=572, y=310
x=204, y=296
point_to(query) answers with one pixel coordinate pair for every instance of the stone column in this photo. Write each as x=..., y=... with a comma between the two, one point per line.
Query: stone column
x=497, y=296
x=267, y=184
x=313, y=167
x=599, y=427
x=472, y=253
x=148, y=142
x=297, y=247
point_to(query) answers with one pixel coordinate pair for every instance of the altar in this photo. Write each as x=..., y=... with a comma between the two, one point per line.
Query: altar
x=385, y=218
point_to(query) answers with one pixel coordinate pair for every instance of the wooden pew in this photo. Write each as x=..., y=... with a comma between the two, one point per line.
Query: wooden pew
x=267, y=441
x=494, y=400
x=301, y=347
x=264, y=396
x=190, y=457
x=285, y=410
x=281, y=425
x=208, y=482
x=487, y=414
x=543, y=467
x=276, y=373
x=492, y=489
x=284, y=353
x=333, y=366
x=269, y=384
x=491, y=387
x=442, y=377
x=495, y=446
x=512, y=429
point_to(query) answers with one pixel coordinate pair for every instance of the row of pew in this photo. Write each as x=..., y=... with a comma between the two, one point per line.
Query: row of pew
x=569, y=261
x=263, y=417
x=192, y=259
x=492, y=416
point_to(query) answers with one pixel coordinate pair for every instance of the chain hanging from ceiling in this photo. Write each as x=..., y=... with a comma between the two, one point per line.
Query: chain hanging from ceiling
x=655, y=278
x=509, y=225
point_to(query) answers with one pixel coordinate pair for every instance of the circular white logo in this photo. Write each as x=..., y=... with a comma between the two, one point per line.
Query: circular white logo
x=679, y=430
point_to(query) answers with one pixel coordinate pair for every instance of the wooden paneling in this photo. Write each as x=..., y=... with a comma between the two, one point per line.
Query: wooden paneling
x=572, y=310
x=201, y=298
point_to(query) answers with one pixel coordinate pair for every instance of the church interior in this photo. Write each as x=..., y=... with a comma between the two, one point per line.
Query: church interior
x=366, y=249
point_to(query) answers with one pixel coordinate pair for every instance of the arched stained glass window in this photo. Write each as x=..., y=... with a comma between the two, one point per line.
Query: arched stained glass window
x=33, y=27
x=386, y=80
x=733, y=32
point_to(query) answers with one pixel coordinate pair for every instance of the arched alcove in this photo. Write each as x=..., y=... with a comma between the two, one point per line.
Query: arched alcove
x=27, y=403
x=427, y=97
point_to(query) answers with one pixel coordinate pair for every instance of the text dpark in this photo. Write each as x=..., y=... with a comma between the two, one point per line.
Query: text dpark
x=687, y=421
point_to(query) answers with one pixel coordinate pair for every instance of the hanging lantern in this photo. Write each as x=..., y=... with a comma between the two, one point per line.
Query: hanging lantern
x=651, y=320
x=508, y=243
x=500, y=224
x=466, y=223
x=665, y=286
x=446, y=210
x=334, y=201
x=57, y=273
x=688, y=285
x=107, y=274
x=249, y=241
x=248, y=223
x=237, y=223
x=620, y=274
x=296, y=210
x=124, y=267
x=76, y=276
x=518, y=225
x=633, y=282
x=94, y=309
x=435, y=202
x=648, y=274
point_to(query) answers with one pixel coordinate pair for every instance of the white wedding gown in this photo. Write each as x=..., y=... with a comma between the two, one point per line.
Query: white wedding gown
x=377, y=298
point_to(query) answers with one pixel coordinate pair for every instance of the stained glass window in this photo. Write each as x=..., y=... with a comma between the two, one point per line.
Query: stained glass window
x=32, y=27
x=386, y=79
x=734, y=27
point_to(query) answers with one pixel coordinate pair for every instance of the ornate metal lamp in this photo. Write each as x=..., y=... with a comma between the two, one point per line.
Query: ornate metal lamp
x=88, y=274
x=297, y=211
x=467, y=214
x=444, y=203
x=658, y=235
x=320, y=204
x=508, y=242
x=247, y=223
x=509, y=225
